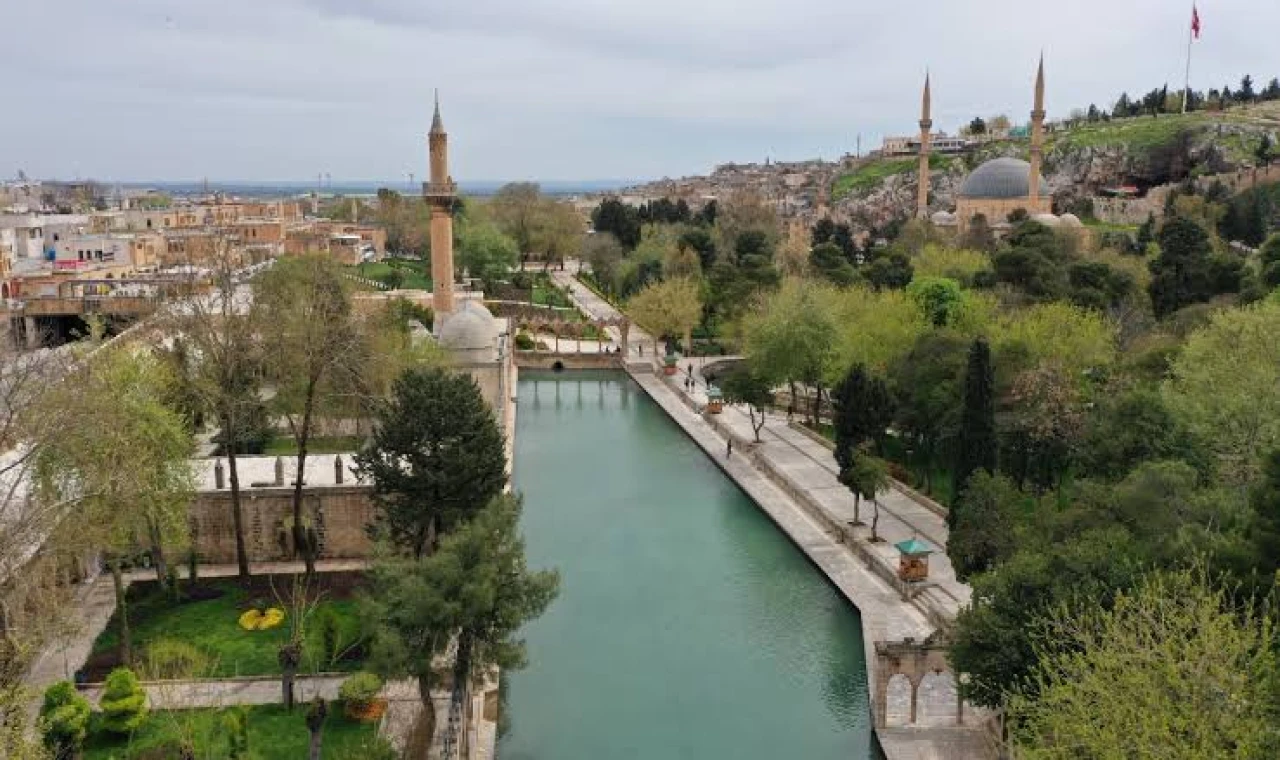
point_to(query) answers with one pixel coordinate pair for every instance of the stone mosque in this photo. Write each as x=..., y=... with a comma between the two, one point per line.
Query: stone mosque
x=997, y=187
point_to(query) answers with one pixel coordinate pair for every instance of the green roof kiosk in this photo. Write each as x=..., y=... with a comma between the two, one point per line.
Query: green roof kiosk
x=913, y=559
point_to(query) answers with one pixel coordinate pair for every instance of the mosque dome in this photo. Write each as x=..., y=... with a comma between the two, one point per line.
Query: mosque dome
x=1048, y=220
x=468, y=329
x=1070, y=220
x=998, y=178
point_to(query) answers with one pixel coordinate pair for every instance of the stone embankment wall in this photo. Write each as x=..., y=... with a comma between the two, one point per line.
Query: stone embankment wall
x=1136, y=210
x=549, y=361
x=339, y=514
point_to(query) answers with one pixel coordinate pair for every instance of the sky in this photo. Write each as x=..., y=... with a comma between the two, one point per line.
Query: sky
x=265, y=90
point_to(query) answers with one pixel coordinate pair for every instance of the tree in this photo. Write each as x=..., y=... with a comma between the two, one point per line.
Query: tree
x=1269, y=261
x=863, y=409
x=892, y=270
x=669, y=308
x=829, y=262
x=868, y=477
x=927, y=384
x=1245, y=93
x=1185, y=272
x=65, y=717
x=977, y=126
x=436, y=457
x=123, y=703
x=317, y=711
x=126, y=462
x=619, y=219
x=484, y=252
x=1222, y=387
x=222, y=331
x=983, y=534
x=476, y=589
x=315, y=358
x=1264, y=531
x=603, y=253
x=557, y=231
x=1128, y=429
x=788, y=338
x=1175, y=668
x=977, y=444
x=745, y=386
x=516, y=207
x=940, y=299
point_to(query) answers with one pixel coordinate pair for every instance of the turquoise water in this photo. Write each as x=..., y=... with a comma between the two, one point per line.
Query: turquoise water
x=688, y=625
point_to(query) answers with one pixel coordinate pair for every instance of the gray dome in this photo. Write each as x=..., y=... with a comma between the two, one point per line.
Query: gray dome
x=999, y=178
x=478, y=308
x=466, y=330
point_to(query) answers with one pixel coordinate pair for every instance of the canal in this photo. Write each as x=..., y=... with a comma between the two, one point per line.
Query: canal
x=688, y=625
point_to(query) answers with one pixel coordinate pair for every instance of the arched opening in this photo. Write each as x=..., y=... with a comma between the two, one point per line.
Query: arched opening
x=936, y=700
x=898, y=701
x=558, y=366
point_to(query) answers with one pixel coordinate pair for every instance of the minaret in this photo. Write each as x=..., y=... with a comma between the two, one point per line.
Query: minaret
x=440, y=193
x=926, y=125
x=1037, y=139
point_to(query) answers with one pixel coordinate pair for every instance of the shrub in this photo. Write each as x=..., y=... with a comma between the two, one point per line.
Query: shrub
x=236, y=723
x=168, y=659
x=65, y=719
x=124, y=703
x=359, y=692
x=524, y=342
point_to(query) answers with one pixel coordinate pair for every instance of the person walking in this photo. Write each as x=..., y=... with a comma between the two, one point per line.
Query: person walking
x=728, y=452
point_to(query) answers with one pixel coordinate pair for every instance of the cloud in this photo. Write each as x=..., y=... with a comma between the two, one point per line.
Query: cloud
x=557, y=89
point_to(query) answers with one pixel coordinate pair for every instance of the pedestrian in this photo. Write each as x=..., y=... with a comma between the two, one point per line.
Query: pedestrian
x=728, y=452
x=690, y=369
x=791, y=410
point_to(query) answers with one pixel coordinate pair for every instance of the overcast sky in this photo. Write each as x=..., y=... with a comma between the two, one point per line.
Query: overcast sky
x=559, y=89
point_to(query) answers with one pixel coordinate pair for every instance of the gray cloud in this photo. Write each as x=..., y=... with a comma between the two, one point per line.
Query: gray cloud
x=551, y=89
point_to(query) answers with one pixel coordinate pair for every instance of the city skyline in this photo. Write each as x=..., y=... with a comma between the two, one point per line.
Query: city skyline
x=559, y=90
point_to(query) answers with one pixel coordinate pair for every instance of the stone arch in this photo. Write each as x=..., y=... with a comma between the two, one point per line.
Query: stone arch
x=915, y=661
x=900, y=693
x=936, y=699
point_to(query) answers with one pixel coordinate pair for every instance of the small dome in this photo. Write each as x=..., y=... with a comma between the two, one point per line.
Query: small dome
x=467, y=330
x=479, y=309
x=1070, y=220
x=1048, y=220
x=999, y=178
x=942, y=218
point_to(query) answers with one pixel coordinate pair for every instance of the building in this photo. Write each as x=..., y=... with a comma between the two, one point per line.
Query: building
x=1000, y=186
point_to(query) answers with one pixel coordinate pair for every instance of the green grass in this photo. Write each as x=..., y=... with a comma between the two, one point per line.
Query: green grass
x=876, y=171
x=335, y=444
x=274, y=734
x=1134, y=132
x=416, y=273
x=212, y=625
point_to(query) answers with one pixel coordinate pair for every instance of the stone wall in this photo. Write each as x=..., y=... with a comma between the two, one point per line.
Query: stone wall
x=340, y=514
x=588, y=360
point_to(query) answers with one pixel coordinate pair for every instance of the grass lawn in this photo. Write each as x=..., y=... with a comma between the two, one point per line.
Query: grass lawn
x=336, y=444
x=273, y=735
x=415, y=273
x=211, y=623
x=874, y=172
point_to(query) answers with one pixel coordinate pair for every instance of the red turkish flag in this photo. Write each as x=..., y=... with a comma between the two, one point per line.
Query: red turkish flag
x=1195, y=22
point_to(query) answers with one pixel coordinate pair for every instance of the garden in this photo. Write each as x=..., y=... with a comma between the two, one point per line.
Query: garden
x=396, y=273
x=225, y=628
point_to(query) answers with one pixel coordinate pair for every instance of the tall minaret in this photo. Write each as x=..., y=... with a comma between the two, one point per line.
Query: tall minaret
x=440, y=193
x=1037, y=137
x=926, y=125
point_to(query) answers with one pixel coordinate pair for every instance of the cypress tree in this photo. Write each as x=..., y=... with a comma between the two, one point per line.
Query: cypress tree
x=977, y=442
x=863, y=409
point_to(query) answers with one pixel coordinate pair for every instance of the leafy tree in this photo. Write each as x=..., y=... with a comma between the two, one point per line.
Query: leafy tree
x=123, y=703
x=983, y=536
x=316, y=358
x=618, y=219
x=788, y=338
x=1095, y=285
x=927, y=384
x=744, y=386
x=977, y=444
x=892, y=271
x=706, y=216
x=669, y=308
x=65, y=717
x=959, y=264
x=436, y=457
x=603, y=253
x=1174, y=668
x=868, y=477
x=1185, y=271
x=1074, y=339
x=978, y=126
x=1131, y=428
x=700, y=241
x=476, y=589
x=1044, y=425
x=938, y=297
x=1270, y=261
x=557, y=231
x=1222, y=386
x=517, y=208
x=876, y=328
x=829, y=262
x=863, y=410
x=1264, y=532
x=485, y=252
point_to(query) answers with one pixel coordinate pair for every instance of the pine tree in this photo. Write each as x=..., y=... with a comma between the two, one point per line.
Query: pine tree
x=977, y=446
x=436, y=457
x=863, y=409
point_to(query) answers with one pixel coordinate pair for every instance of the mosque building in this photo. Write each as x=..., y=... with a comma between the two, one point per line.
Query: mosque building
x=997, y=187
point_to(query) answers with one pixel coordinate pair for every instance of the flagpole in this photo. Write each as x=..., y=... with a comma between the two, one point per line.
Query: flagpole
x=1191, y=30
